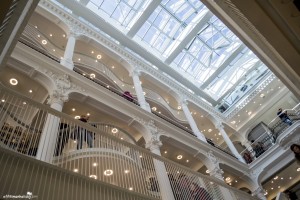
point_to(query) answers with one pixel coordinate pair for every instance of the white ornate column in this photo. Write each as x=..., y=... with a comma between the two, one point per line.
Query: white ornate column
x=50, y=130
x=229, y=143
x=213, y=167
x=255, y=185
x=212, y=163
x=139, y=90
x=191, y=121
x=154, y=145
x=67, y=60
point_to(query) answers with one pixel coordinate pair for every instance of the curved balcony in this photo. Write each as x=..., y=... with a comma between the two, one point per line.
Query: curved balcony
x=107, y=159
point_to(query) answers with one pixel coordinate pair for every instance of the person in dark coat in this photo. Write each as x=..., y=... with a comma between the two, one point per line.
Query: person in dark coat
x=284, y=117
x=83, y=134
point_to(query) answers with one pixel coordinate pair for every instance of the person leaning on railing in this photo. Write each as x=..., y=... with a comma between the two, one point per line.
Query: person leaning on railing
x=296, y=149
x=284, y=117
x=83, y=134
x=127, y=96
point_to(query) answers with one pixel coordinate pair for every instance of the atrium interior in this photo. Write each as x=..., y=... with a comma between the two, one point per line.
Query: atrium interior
x=149, y=96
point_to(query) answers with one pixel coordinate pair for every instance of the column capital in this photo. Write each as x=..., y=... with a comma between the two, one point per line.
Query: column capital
x=57, y=97
x=154, y=142
x=219, y=125
x=245, y=142
x=260, y=193
x=135, y=72
x=184, y=101
x=75, y=30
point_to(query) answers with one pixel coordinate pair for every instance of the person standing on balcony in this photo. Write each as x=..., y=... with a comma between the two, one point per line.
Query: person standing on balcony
x=83, y=134
x=296, y=149
x=284, y=117
x=127, y=96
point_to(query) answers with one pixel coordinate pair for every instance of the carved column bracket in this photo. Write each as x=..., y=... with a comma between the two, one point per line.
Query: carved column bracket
x=214, y=168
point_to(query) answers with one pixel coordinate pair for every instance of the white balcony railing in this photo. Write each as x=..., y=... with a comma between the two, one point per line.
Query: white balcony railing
x=78, y=147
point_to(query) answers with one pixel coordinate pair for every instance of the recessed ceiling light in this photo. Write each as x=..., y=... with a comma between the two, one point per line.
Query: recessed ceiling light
x=79, y=59
x=73, y=109
x=64, y=35
x=92, y=51
x=122, y=138
x=53, y=49
x=131, y=188
x=75, y=170
x=30, y=91
x=44, y=42
x=298, y=169
x=96, y=60
x=262, y=95
x=39, y=35
x=290, y=177
x=276, y=177
x=50, y=35
x=154, y=108
x=159, y=112
x=141, y=156
x=35, y=27
x=3, y=100
x=126, y=171
x=228, y=179
x=13, y=81
x=24, y=102
x=201, y=115
x=92, y=75
x=166, y=152
x=209, y=130
x=93, y=176
x=144, y=93
x=99, y=56
x=95, y=164
x=77, y=117
x=114, y=130
x=233, y=122
x=249, y=113
x=108, y=172
x=179, y=157
x=88, y=114
x=179, y=107
x=207, y=171
x=187, y=161
x=113, y=67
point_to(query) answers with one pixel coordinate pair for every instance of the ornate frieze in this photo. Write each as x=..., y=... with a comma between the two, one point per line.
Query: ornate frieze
x=62, y=83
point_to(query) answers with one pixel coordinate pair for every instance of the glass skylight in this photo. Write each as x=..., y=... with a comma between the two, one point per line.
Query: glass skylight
x=170, y=22
x=185, y=36
x=122, y=13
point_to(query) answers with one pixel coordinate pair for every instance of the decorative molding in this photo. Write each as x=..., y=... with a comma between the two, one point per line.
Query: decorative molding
x=57, y=97
x=251, y=96
x=62, y=83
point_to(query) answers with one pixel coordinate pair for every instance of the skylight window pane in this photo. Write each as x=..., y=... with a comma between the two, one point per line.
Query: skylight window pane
x=122, y=13
x=175, y=19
